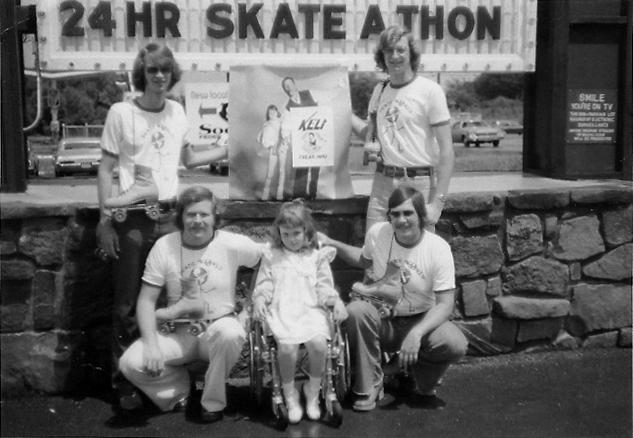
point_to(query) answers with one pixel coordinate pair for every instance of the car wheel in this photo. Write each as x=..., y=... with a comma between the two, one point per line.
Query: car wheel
x=466, y=142
x=495, y=143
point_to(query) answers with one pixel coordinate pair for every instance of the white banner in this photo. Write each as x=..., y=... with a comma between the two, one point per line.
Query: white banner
x=294, y=132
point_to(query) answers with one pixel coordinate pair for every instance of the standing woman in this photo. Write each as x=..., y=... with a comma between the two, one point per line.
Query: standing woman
x=412, y=127
x=144, y=139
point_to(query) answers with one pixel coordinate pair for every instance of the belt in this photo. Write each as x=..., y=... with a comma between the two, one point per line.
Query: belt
x=404, y=172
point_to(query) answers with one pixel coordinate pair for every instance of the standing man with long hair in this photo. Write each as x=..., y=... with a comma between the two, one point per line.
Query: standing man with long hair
x=412, y=125
x=145, y=139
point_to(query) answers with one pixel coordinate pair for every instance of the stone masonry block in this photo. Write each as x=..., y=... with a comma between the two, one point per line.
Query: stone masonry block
x=45, y=246
x=538, y=200
x=504, y=331
x=474, y=298
x=477, y=255
x=493, y=288
x=602, y=195
x=614, y=265
x=16, y=269
x=625, y=336
x=513, y=307
x=537, y=274
x=600, y=307
x=578, y=239
x=524, y=236
x=44, y=296
x=539, y=329
x=601, y=340
x=41, y=362
x=618, y=225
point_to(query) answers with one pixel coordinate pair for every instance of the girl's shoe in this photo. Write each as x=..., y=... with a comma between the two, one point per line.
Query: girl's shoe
x=368, y=402
x=312, y=400
x=295, y=412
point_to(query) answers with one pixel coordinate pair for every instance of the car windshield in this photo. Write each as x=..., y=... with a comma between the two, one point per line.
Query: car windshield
x=474, y=124
x=81, y=145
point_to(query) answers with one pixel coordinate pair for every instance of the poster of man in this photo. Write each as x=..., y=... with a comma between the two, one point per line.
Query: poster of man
x=294, y=132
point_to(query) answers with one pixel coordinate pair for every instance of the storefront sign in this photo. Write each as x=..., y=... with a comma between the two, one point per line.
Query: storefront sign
x=591, y=116
x=483, y=35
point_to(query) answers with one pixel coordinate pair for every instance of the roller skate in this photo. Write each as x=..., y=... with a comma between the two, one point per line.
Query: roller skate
x=143, y=195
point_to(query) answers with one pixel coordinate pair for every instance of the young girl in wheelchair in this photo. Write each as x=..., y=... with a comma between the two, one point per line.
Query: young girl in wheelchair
x=294, y=285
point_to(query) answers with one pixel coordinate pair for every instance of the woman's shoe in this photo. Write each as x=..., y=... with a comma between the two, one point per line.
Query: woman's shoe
x=295, y=412
x=368, y=402
x=312, y=401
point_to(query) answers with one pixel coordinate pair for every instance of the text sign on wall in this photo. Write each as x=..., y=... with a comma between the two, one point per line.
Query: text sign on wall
x=206, y=105
x=591, y=116
x=478, y=35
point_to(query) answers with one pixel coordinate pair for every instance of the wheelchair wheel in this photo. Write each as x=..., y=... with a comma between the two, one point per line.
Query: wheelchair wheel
x=336, y=416
x=255, y=369
x=281, y=416
x=343, y=381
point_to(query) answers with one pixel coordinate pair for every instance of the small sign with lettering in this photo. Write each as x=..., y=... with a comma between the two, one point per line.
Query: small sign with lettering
x=312, y=136
x=591, y=116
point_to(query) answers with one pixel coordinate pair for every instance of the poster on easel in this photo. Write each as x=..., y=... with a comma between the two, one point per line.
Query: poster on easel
x=294, y=132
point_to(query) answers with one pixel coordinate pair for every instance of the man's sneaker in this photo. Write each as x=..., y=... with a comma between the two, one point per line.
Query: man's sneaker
x=368, y=402
x=210, y=417
x=130, y=400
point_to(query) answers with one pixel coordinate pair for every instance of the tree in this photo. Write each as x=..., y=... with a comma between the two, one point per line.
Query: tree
x=361, y=86
x=490, y=85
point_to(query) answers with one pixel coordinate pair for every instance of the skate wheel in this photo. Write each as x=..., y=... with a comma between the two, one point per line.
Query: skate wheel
x=196, y=328
x=165, y=328
x=281, y=417
x=119, y=214
x=152, y=212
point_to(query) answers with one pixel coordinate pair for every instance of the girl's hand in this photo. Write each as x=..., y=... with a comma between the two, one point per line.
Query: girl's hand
x=340, y=312
x=260, y=310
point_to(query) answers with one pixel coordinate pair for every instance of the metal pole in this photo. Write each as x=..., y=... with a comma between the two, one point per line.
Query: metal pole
x=13, y=160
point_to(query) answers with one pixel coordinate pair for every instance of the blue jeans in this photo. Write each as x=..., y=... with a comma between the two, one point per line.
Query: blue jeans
x=383, y=186
x=137, y=235
x=369, y=336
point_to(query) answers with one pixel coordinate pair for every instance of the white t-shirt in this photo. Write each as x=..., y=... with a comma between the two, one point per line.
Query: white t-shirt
x=428, y=266
x=404, y=118
x=215, y=267
x=152, y=139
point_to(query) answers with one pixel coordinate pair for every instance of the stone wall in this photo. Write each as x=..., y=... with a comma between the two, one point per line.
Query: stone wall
x=535, y=270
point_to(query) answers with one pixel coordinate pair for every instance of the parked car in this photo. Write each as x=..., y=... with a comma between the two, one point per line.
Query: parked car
x=509, y=126
x=475, y=132
x=78, y=154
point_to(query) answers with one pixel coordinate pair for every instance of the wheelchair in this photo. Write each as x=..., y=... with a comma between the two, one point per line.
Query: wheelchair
x=336, y=383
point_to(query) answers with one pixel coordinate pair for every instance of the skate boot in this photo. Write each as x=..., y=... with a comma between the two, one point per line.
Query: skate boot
x=144, y=189
x=388, y=287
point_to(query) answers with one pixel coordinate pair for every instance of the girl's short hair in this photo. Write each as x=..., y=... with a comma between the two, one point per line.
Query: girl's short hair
x=272, y=106
x=403, y=194
x=161, y=55
x=191, y=196
x=388, y=38
x=295, y=214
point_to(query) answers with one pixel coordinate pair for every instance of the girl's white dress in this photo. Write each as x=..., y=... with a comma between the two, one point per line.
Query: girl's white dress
x=295, y=285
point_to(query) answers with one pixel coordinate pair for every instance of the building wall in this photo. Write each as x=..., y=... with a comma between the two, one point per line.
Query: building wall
x=547, y=269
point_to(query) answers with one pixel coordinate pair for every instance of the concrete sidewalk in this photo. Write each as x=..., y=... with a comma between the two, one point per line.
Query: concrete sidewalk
x=577, y=393
x=45, y=193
